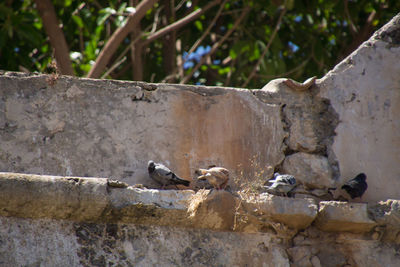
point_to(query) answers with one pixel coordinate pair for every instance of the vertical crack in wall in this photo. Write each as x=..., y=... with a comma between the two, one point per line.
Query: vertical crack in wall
x=328, y=120
x=287, y=151
x=309, y=123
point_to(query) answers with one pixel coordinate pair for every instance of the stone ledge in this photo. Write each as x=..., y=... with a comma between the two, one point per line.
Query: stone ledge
x=344, y=217
x=42, y=196
x=294, y=213
x=94, y=200
x=387, y=215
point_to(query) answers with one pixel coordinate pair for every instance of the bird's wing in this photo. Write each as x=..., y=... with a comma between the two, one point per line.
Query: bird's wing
x=286, y=179
x=204, y=176
x=219, y=172
x=162, y=170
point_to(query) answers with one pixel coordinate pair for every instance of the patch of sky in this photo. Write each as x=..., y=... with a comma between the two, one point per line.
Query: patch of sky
x=189, y=60
x=298, y=18
x=293, y=46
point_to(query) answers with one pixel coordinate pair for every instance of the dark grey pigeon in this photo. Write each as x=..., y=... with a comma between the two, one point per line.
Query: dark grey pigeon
x=164, y=176
x=356, y=186
x=281, y=184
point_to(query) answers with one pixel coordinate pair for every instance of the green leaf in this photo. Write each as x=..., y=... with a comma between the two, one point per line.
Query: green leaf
x=289, y=4
x=121, y=9
x=78, y=21
x=198, y=25
x=224, y=71
x=103, y=17
x=232, y=53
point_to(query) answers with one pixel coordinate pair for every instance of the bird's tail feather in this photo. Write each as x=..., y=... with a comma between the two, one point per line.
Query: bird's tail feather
x=179, y=180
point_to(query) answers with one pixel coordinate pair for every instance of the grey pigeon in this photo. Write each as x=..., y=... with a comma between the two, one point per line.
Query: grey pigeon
x=281, y=184
x=356, y=186
x=164, y=176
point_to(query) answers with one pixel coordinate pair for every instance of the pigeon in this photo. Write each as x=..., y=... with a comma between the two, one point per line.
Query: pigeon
x=218, y=177
x=356, y=186
x=281, y=184
x=164, y=176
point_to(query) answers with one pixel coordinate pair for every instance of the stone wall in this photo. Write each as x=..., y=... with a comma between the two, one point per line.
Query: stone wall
x=364, y=90
x=101, y=128
x=345, y=124
x=59, y=221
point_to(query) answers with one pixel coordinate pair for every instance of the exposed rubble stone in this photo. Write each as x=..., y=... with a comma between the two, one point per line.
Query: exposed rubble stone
x=344, y=216
x=293, y=213
x=312, y=170
x=387, y=215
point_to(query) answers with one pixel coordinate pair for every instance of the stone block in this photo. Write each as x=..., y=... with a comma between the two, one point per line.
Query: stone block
x=166, y=199
x=213, y=210
x=294, y=213
x=343, y=216
x=43, y=196
x=312, y=170
x=387, y=215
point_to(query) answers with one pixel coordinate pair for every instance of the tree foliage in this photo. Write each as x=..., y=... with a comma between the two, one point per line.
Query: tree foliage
x=225, y=42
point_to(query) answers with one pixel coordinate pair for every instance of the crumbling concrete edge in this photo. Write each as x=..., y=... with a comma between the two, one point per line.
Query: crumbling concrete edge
x=103, y=200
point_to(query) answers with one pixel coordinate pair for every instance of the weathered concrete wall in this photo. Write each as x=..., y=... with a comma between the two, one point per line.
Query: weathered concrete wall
x=48, y=242
x=111, y=129
x=365, y=92
x=344, y=125
x=56, y=221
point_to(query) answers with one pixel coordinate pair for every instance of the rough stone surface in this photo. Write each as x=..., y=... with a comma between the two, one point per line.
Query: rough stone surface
x=147, y=227
x=312, y=170
x=35, y=196
x=300, y=256
x=309, y=120
x=118, y=126
x=46, y=242
x=343, y=216
x=345, y=124
x=387, y=215
x=293, y=213
x=167, y=199
x=364, y=90
x=216, y=211
x=56, y=243
x=315, y=262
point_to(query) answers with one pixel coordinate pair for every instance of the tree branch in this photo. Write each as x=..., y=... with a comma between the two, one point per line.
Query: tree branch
x=358, y=37
x=353, y=28
x=216, y=45
x=56, y=36
x=179, y=70
x=178, y=24
x=169, y=40
x=118, y=36
x=136, y=48
x=289, y=72
x=253, y=72
x=116, y=65
x=207, y=31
